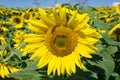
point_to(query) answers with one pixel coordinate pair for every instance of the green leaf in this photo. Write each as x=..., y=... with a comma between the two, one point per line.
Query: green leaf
x=26, y=74
x=83, y=75
x=56, y=77
x=100, y=46
x=100, y=24
x=90, y=10
x=3, y=47
x=109, y=40
x=16, y=52
x=104, y=65
x=22, y=44
x=111, y=24
x=114, y=76
x=107, y=64
x=31, y=65
x=112, y=49
x=29, y=73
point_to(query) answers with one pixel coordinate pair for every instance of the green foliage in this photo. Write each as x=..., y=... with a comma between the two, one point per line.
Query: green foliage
x=28, y=73
x=3, y=47
x=83, y=75
x=102, y=64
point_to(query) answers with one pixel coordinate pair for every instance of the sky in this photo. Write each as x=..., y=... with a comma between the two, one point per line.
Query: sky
x=51, y=3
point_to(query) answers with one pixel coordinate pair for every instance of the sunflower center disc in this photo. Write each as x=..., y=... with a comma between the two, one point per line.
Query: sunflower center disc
x=61, y=41
x=117, y=31
x=27, y=16
x=17, y=20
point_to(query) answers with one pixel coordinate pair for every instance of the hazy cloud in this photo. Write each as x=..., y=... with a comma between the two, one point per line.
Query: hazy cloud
x=115, y=3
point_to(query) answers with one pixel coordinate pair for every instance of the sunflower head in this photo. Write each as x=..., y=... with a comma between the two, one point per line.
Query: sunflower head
x=27, y=16
x=37, y=16
x=18, y=38
x=61, y=41
x=15, y=12
x=18, y=21
x=117, y=8
x=2, y=30
x=61, y=38
x=115, y=32
x=30, y=10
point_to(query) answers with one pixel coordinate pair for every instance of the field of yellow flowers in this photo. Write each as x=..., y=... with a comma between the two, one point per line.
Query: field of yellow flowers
x=68, y=42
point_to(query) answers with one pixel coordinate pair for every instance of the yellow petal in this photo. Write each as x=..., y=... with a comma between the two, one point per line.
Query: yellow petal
x=91, y=33
x=47, y=19
x=6, y=71
x=62, y=67
x=42, y=12
x=39, y=52
x=82, y=66
x=83, y=51
x=18, y=25
x=13, y=69
x=83, y=19
x=72, y=66
x=58, y=65
x=76, y=58
x=2, y=71
x=33, y=35
x=62, y=13
x=33, y=38
x=44, y=60
x=72, y=19
x=39, y=24
x=87, y=40
x=51, y=65
x=35, y=29
x=67, y=67
x=56, y=17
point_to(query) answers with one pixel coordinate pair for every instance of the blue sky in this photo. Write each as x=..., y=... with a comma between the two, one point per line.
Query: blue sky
x=50, y=3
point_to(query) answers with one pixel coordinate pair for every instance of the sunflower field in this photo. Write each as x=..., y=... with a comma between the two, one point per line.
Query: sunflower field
x=67, y=42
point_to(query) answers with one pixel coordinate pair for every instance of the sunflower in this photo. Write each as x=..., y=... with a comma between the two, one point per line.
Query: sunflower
x=2, y=30
x=111, y=19
x=37, y=16
x=17, y=21
x=117, y=8
x=18, y=38
x=26, y=16
x=5, y=70
x=61, y=38
x=115, y=32
x=15, y=13
x=2, y=40
x=30, y=10
x=106, y=14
